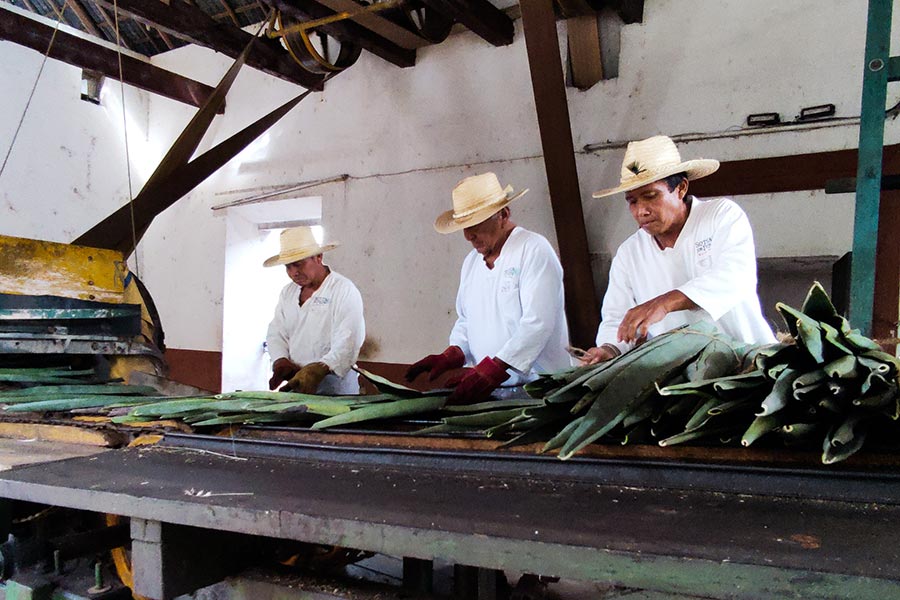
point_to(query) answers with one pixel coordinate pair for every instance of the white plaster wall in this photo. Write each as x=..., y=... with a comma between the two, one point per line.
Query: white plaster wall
x=67, y=169
x=405, y=136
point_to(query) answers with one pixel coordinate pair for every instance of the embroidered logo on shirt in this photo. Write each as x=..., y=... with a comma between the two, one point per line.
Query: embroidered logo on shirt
x=320, y=300
x=703, y=246
x=510, y=280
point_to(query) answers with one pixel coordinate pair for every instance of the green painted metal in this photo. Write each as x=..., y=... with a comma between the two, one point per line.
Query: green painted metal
x=894, y=68
x=21, y=314
x=868, y=175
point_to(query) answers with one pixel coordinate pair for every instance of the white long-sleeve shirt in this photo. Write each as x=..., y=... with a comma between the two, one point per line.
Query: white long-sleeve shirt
x=515, y=311
x=713, y=263
x=328, y=328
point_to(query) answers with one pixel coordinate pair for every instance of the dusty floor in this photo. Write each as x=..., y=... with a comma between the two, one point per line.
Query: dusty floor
x=380, y=578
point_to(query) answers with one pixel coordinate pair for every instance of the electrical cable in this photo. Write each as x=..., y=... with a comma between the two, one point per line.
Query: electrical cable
x=137, y=263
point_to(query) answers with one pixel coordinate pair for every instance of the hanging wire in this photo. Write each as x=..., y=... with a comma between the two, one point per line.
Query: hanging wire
x=31, y=95
x=137, y=263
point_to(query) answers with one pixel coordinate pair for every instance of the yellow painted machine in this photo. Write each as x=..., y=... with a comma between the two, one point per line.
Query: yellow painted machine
x=60, y=302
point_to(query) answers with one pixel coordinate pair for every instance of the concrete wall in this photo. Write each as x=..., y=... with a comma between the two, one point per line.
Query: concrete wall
x=405, y=136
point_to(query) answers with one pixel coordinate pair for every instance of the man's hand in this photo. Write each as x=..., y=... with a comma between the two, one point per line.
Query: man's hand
x=478, y=383
x=436, y=364
x=598, y=355
x=307, y=379
x=282, y=370
x=637, y=321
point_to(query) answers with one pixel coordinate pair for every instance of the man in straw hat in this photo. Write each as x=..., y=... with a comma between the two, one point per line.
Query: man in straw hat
x=511, y=323
x=318, y=327
x=690, y=259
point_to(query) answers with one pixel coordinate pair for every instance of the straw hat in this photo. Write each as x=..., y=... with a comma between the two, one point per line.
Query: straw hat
x=297, y=243
x=653, y=159
x=475, y=199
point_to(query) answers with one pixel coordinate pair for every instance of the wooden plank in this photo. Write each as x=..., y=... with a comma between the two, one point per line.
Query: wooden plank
x=191, y=24
x=81, y=53
x=376, y=23
x=887, y=271
x=482, y=17
x=552, y=108
x=787, y=173
x=20, y=452
x=348, y=31
x=65, y=434
x=584, y=51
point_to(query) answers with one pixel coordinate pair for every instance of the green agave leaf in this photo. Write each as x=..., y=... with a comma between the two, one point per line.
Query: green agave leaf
x=842, y=368
x=688, y=436
x=878, y=400
x=385, y=410
x=761, y=426
x=632, y=383
x=69, y=403
x=817, y=304
x=395, y=389
x=833, y=453
x=79, y=389
x=782, y=392
x=484, y=420
x=559, y=440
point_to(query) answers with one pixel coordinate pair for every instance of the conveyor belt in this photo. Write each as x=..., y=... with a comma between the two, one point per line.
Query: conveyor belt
x=755, y=546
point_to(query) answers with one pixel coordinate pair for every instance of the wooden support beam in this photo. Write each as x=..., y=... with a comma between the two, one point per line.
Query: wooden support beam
x=347, y=31
x=189, y=23
x=585, y=59
x=787, y=173
x=79, y=52
x=480, y=16
x=548, y=83
x=885, y=309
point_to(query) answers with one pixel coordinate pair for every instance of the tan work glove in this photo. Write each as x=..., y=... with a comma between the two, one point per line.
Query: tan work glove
x=282, y=370
x=308, y=378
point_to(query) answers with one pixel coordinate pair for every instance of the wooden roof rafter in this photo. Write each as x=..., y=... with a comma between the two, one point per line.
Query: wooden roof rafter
x=482, y=17
x=187, y=22
x=76, y=49
x=231, y=14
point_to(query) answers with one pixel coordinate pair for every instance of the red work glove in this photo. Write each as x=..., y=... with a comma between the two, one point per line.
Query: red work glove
x=478, y=384
x=451, y=358
x=282, y=370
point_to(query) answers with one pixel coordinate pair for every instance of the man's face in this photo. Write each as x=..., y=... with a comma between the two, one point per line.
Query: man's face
x=305, y=271
x=657, y=210
x=485, y=236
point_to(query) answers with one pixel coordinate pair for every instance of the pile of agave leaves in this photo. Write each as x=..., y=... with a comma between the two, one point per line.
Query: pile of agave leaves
x=829, y=387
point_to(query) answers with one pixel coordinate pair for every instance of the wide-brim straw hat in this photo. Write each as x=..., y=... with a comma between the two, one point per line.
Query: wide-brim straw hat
x=475, y=199
x=653, y=159
x=297, y=243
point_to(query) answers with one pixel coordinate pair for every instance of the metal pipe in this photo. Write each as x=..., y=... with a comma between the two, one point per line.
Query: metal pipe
x=735, y=133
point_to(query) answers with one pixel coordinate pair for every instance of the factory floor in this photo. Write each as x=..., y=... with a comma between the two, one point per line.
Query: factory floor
x=380, y=577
